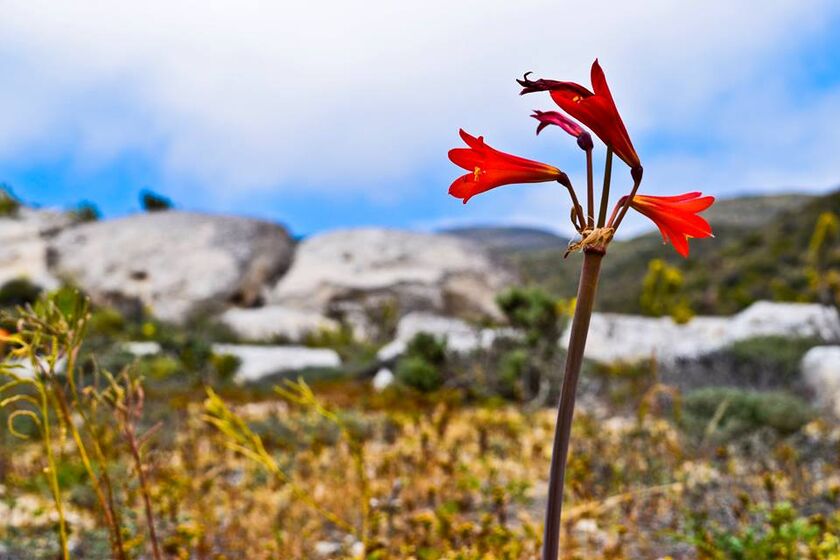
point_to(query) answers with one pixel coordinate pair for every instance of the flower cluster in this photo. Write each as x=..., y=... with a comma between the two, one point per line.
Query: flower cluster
x=675, y=216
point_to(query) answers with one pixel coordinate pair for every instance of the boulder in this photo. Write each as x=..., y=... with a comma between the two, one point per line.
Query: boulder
x=354, y=274
x=24, y=240
x=275, y=322
x=174, y=263
x=821, y=373
x=256, y=362
x=615, y=337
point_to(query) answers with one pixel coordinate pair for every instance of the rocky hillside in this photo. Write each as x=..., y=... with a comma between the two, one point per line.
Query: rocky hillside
x=261, y=282
x=758, y=253
x=510, y=239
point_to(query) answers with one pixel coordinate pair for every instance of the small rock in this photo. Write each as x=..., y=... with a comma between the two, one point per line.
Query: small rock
x=142, y=348
x=383, y=378
x=327, y=548
x=357, y=549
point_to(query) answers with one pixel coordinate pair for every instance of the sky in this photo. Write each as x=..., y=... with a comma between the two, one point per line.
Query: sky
x=326, y=114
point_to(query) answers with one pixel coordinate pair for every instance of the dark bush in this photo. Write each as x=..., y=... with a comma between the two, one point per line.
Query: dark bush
x=512, y=368
x=19, y=291
x=428, y=347
x=86, y=212
x=777, y=354
x=761, y=363
x=9, y=203
x=153, y=202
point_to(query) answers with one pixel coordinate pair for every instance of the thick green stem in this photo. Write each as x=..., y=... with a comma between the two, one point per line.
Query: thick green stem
x=605, y=192
x=574, y=358
x=590, y=191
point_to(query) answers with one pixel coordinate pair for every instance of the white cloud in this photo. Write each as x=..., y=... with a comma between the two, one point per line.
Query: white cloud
x=349, y=95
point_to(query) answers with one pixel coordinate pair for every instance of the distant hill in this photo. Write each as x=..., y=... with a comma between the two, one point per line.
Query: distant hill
x=510, y=239
x=758, y=253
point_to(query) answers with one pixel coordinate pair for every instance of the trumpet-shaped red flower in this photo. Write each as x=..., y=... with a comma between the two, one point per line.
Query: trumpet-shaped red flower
x=489, y=168
x=595, y=109
x=675, y=216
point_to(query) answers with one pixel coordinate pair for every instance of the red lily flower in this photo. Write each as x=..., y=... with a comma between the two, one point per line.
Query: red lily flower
x=595, y=109
x=675, y=216
x=489, y=168
x=558, y=119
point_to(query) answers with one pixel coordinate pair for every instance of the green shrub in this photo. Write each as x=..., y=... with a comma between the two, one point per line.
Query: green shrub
x=158, y=367
x=106, y=321
x=416, y=372
x=723, y=413
x=538, y=316
x=422, y=364
x=225, y=366
x=428, y=347
x=512, y=368
x=662, y=292
x=533, y=311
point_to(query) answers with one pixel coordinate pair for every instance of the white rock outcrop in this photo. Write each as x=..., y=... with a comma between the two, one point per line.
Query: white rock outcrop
x=275, y=321
x=350, y=273
x=175, y=263
x=24, y=240
x=256, y=362
x=615, y=337
x=460, y=336
x=821, y=372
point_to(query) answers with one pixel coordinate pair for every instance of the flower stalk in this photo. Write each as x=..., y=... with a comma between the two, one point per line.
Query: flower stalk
x=605, y=193
x=587, y=288
x=675, y=216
